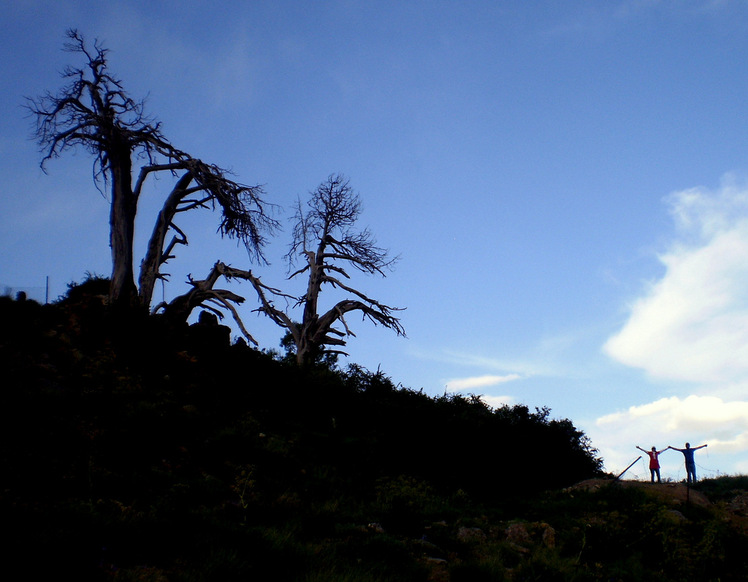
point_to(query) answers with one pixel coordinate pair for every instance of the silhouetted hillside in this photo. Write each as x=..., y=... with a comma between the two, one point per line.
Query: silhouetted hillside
x=133, y=450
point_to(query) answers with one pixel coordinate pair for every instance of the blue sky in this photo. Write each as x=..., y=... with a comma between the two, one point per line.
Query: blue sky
x=566, y=184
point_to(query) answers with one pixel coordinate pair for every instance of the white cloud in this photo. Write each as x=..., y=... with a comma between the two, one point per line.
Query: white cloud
x=473, y=382
x=460, y=384
x=498, y=401
x=692, y=324
x=544, y=361
x=726, y=421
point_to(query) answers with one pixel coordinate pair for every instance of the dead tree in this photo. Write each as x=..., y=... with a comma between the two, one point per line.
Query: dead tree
x=325, y=239
x=204, y=294
x=94, y=112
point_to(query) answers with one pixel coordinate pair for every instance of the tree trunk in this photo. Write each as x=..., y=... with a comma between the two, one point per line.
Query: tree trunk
x=304, y=354
x=124, y=205
x=154, y=257
x=306, y=346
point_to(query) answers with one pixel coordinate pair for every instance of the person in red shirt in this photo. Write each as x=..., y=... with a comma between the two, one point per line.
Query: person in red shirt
x=654, y=463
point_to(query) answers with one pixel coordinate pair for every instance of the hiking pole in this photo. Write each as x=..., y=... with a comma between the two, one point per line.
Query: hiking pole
x=627, y=468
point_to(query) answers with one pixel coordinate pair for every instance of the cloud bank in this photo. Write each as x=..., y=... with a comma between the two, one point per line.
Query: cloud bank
x=673, y=419
x=473, y=382
x=692, y=324
x=460, y=384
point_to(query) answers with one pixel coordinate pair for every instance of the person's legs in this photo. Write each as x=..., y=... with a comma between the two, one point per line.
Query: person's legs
x=658, y=476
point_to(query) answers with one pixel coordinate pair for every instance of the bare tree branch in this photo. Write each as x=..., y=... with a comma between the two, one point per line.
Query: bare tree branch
x=93, y=111
x=323, y=236
x=202, y=295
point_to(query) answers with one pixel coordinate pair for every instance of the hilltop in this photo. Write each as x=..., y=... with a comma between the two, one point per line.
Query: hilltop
x=136, y=450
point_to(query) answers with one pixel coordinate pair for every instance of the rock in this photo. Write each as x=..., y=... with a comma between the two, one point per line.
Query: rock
x=523, y=535
x=208, y=335
x=517, y=533
x=470, y=534
x=548, y=536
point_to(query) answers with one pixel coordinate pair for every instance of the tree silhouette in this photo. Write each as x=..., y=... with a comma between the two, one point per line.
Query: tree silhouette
x=325, y=239
x=93, y=111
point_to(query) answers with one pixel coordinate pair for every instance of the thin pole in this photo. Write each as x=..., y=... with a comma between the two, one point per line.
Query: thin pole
x=627, y=468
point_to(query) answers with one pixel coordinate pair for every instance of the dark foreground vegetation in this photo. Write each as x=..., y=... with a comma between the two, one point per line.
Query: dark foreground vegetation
x=136, y=451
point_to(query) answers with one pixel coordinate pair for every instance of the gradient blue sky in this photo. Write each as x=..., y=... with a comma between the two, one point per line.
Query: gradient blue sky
x=566, y=184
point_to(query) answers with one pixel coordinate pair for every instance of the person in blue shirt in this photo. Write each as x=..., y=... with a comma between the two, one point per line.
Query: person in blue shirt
x=690, y=464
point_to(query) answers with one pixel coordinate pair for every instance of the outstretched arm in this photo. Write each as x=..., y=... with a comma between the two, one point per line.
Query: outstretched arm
x=641, y=449
x=701, y=447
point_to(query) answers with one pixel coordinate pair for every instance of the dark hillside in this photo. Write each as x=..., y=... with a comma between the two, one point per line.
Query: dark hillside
x=133, y=450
